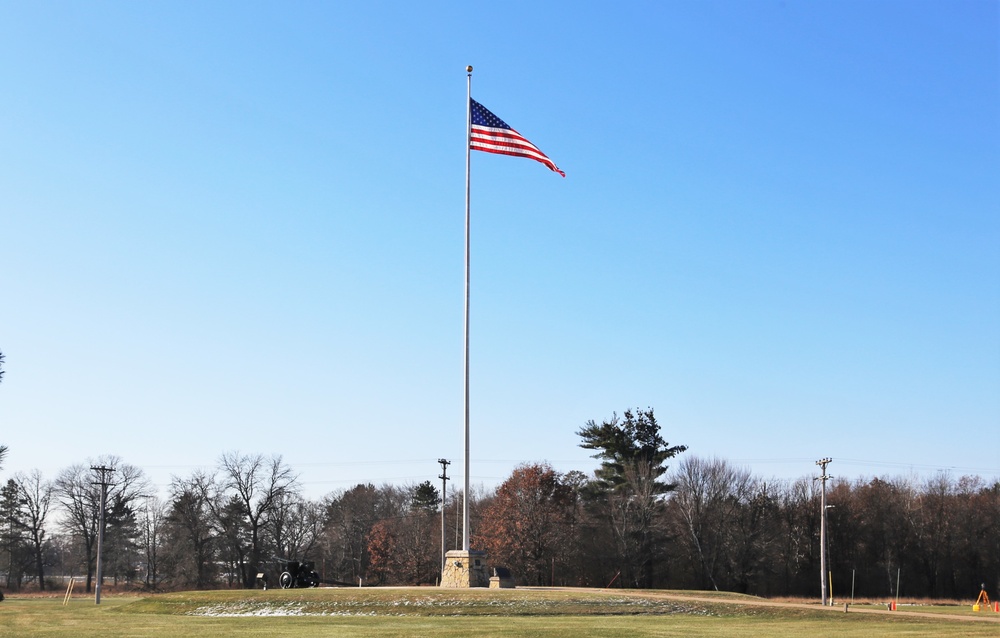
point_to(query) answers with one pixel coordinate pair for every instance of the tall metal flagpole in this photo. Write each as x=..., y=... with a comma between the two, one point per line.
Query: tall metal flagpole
x=468, y=153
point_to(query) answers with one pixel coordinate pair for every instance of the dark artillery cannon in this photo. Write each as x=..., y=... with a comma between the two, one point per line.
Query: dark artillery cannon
x=293, y=573
x=296, y=574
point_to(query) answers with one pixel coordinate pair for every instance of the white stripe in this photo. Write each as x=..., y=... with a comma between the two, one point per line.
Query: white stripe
x=532, y=152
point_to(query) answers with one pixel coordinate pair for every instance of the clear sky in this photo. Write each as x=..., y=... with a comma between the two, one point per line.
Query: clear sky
x=239, y=226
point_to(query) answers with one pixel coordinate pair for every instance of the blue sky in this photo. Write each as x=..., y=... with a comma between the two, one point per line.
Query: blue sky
x=239, y=226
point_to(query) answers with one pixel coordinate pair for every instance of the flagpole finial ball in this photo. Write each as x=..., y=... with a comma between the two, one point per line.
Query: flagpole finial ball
x=469, y=68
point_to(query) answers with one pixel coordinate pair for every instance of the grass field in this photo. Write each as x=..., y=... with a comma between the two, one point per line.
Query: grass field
x=389, y=612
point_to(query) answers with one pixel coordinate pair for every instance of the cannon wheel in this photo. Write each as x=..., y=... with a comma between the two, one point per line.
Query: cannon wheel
x=286, y=580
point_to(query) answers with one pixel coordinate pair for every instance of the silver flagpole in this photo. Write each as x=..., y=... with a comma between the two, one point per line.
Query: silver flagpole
x=468, y=149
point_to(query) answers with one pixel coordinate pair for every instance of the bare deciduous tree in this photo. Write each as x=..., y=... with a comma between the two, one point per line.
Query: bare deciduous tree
x=189, y=549
x=78, y=492
x=294, y=526
x=35, y=493
x=708, y=498
x=152, y=519
x=258, y=485
x=350, y=516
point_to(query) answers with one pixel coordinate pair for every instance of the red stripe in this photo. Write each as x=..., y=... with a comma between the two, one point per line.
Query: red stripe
x=508, y=148
x=507, y=145
x=543, y=159
x=510, y=142
x=513, y=140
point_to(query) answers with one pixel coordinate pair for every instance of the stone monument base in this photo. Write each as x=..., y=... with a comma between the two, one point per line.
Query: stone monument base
x=464, y=569
x=501, y=579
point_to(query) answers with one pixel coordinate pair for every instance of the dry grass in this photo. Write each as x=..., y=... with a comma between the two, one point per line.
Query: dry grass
x=386, y=612
x=881, y=600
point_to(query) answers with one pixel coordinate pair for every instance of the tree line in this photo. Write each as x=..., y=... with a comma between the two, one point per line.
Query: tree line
x=635, y=522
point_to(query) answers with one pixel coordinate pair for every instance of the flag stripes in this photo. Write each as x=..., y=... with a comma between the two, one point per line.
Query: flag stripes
x=490, y=134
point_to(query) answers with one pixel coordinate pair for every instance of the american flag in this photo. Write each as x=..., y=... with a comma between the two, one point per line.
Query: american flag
x=493, y=135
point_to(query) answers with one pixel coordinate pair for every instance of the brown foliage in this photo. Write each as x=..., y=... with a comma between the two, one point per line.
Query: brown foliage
x=529, y=523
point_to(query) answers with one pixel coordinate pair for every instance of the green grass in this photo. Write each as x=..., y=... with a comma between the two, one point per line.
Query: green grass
x=386, y=613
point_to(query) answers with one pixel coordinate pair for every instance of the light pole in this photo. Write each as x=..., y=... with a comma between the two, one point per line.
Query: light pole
x=822, y=528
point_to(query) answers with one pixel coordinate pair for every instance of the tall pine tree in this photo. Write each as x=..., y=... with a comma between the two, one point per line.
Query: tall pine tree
x=627, y=491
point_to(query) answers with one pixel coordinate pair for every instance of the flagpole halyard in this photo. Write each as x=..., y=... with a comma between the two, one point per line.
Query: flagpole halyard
x=468, y=154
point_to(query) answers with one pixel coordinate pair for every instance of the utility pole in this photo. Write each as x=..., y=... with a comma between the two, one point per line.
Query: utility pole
x=822, y=527
x=444, y=501
x=104, y=483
